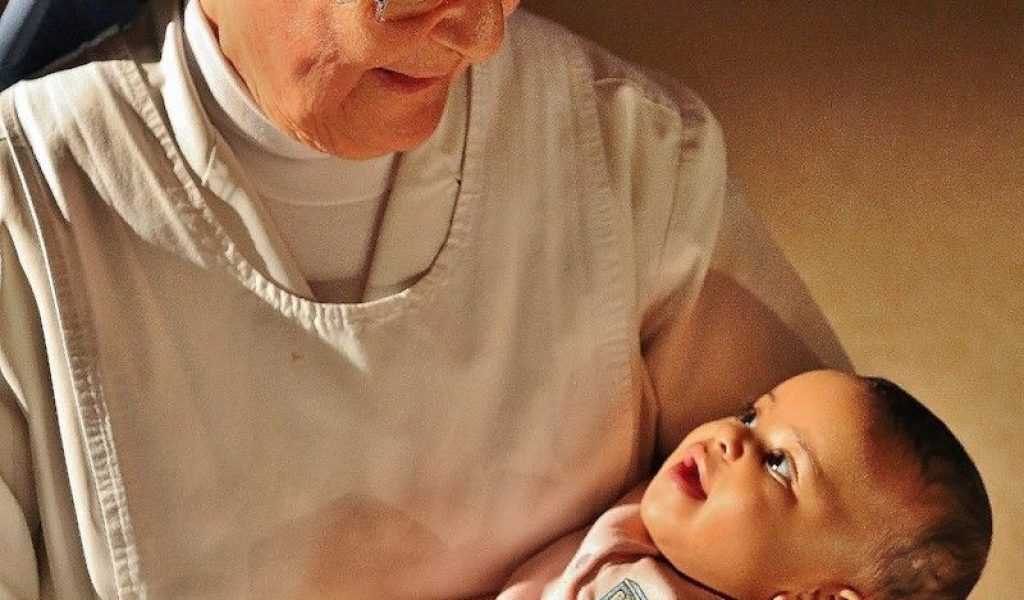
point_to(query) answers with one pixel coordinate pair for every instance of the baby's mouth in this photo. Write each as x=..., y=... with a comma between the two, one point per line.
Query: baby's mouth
x=688, y=473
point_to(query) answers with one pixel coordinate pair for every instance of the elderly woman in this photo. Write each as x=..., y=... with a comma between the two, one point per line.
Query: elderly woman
x=321, y=298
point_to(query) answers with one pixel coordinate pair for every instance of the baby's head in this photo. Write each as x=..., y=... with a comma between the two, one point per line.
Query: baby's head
x=831, y=485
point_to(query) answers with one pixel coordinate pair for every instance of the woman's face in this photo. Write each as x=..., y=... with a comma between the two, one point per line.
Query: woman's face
x=334, y=77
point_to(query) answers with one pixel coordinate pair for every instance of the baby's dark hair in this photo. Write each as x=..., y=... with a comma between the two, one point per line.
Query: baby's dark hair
x=942, y=558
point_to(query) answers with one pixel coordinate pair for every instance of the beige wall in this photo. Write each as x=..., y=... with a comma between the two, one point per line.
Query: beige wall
x=885, y=148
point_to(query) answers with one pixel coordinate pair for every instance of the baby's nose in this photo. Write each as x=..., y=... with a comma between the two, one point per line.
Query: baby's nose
x=730, y=444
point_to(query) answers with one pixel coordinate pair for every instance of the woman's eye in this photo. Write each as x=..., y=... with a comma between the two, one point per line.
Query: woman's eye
x=748, y=417
x=780, y=464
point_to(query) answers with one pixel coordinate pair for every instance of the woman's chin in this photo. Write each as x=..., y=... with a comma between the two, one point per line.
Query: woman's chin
x=369, y=148
x=379, y=133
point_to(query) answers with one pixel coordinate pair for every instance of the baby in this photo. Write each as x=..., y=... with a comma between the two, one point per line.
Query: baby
x=829, y=487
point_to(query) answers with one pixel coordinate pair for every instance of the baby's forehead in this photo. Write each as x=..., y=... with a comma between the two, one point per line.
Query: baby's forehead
x=847, y=438
x=866, y=439
x=877, y=472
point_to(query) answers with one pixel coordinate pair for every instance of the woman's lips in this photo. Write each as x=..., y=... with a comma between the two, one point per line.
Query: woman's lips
x=408, y=84
x=689, y=473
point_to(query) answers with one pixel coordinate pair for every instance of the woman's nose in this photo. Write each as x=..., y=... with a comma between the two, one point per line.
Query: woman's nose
x=473, y=28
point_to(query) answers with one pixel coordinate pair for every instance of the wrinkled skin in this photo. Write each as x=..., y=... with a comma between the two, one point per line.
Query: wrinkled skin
x=332, y=76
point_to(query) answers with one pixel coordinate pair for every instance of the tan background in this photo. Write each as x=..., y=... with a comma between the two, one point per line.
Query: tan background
x=884, y=145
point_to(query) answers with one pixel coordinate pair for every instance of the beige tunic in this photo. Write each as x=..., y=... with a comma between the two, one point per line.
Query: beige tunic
x=179, y=422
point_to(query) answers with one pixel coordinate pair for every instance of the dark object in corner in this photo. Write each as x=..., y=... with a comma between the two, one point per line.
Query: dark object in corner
x=34, y=33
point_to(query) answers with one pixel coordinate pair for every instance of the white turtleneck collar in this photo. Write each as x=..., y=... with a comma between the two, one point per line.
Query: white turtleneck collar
x=327, y=209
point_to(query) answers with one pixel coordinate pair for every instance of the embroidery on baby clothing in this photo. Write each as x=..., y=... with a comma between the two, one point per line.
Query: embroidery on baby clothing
x=627, y=589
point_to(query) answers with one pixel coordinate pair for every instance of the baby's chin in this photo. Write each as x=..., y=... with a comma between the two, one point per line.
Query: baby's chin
x=685, y=561
x=645, y=509
x=658, y=525
x=651, y=509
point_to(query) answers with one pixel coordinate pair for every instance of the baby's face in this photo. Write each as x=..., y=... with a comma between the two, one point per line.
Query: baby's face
x=786, y=496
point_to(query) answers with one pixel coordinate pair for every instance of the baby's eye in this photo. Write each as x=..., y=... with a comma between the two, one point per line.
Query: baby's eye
x=780, y=464
x=748, y=416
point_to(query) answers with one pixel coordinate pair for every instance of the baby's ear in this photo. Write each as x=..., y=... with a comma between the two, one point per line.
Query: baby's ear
x=826, y=592
x=843, y=593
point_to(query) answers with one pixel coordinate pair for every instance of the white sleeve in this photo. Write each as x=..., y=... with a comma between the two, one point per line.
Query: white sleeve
x=19, y=520
x=724, y=316
x=19, y=514
x=754, y=325
x=18, y=572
